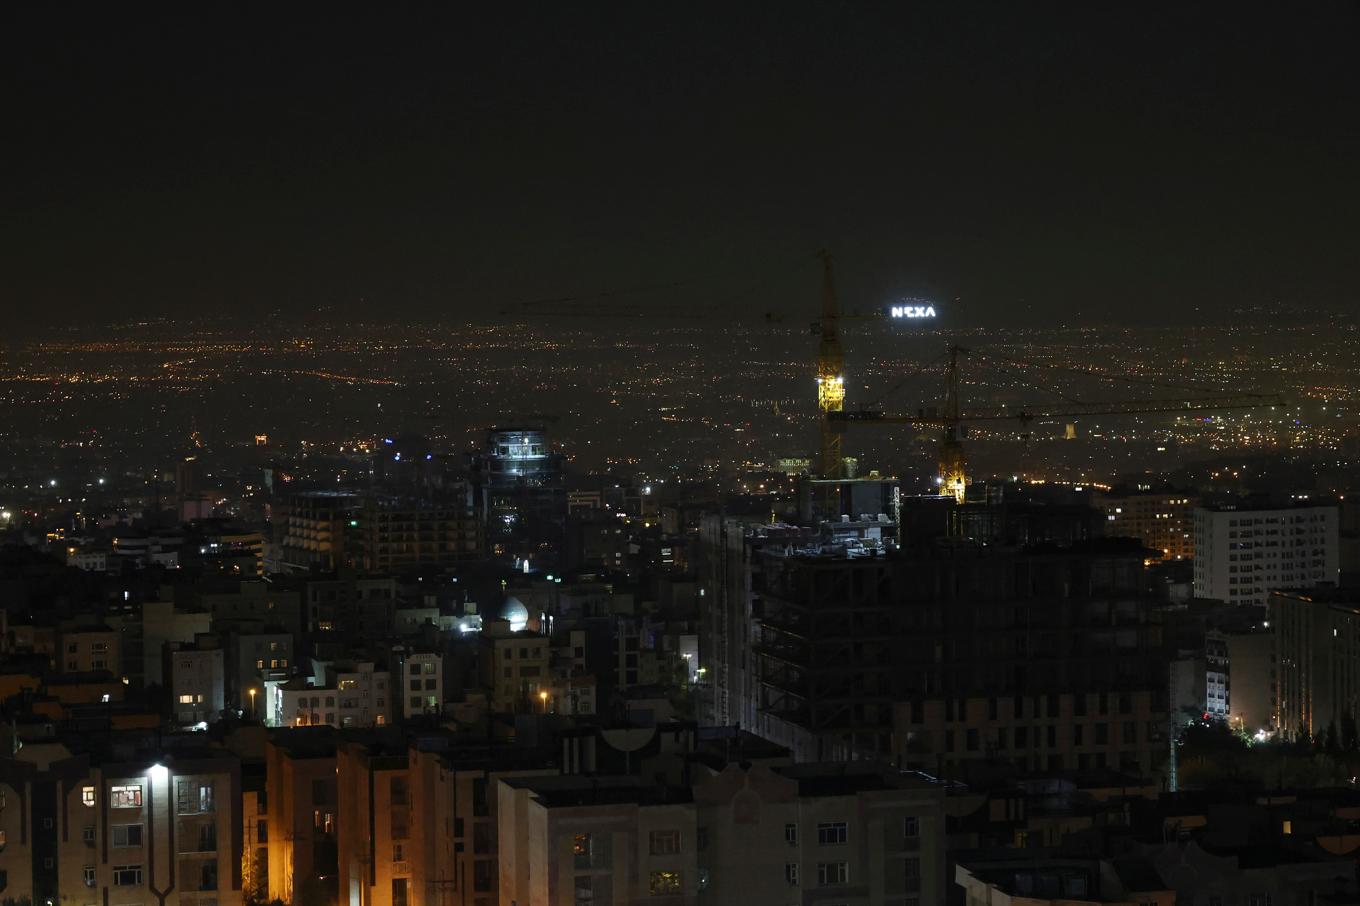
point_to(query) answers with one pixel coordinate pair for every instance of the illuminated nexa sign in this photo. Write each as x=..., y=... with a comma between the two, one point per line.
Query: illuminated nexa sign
x=913, y=311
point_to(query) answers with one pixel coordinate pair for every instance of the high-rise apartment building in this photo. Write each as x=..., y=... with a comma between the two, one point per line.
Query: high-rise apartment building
x=1242, y=555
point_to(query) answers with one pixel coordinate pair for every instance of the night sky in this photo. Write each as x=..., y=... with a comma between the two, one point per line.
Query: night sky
x=1056, y=162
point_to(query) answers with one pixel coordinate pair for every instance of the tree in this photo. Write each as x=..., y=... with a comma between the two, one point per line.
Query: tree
x=1331, y=741
x=1350, y=737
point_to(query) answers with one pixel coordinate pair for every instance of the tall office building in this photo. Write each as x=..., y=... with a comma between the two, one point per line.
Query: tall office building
x=1242, y=555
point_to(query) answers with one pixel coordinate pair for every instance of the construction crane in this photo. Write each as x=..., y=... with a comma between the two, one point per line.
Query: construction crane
x=830, y=375
x=953, y=478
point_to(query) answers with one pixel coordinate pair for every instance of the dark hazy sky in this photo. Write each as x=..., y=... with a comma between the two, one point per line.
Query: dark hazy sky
x=1092, y=160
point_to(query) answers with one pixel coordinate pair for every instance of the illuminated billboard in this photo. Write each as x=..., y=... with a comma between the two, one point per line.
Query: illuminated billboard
x=916, y=312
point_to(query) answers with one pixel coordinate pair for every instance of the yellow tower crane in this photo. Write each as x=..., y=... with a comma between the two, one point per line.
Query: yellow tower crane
x=830, y=375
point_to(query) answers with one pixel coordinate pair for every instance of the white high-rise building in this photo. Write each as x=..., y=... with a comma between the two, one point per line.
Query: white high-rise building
x=1242, y=555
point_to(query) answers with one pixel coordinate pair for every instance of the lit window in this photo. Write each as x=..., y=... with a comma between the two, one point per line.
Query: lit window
x=87, y=796
x=664, y=883
x=125, y=797
x=186, y=699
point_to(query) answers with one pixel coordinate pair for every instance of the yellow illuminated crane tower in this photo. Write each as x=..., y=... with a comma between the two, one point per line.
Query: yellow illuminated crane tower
x=953, y=470
x=830, y=376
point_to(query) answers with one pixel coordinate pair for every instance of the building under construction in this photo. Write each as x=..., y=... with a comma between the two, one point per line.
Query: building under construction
x=851, y=647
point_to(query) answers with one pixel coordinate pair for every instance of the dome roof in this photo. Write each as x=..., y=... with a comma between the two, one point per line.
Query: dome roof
x=514, y=610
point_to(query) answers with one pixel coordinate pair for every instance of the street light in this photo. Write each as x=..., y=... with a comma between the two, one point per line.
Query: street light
x=253, y=690
x=543, y=697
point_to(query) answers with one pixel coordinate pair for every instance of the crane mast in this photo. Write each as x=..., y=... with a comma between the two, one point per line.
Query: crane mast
x=830, y=375
x=953, y=470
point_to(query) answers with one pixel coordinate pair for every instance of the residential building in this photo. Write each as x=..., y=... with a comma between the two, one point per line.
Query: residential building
x=394, y=534
x=82, y=829
x=1242, y=554
x=197, y=681
x=744, y=833
x=303, y=799
x=1162, y=519
x=421, y=684
x=163, y=622
x=86, y=649
x=1317, y=658
x=514, y=667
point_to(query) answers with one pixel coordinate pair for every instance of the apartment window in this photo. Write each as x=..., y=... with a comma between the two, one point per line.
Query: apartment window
x=911, y=827
x=791, y=873
x=833, y=874
x=399, y=891
x=664, y=883
x=665, y=843
x=127, y=875
x=832, y=833
x=701, y=839
x=126, y=835
x=195, y=798
x=259, y=663
x=89, y=875
x=791, y=834
x=186, y=699
x=87, y=834
x=87, y=796
x=398, y=852
x=585, y=890
x=581, y=845
x=207, y=875
x=125, y=796
x=399, y=791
